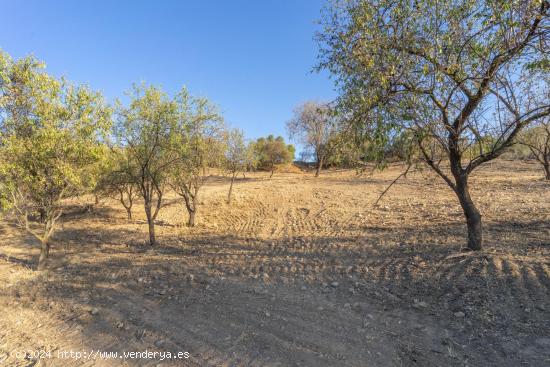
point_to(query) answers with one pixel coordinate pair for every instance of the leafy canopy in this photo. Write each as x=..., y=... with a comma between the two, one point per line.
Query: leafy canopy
x=52, y=134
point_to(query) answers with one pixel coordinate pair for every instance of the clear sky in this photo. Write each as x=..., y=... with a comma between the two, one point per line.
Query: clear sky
x=252, y=58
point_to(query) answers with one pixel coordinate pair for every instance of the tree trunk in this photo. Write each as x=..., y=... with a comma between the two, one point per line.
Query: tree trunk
x=44, y=253
x=231, y=188
x=191, y=201
x=272, y=171
x=45, y=239
x=151, y=223
x=319, y=167
x=127, y=206
x=547, y=170
x=473, y=217
x=191, y=220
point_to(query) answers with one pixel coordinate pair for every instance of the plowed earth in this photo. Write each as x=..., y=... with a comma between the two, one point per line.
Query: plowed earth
x=297, y=271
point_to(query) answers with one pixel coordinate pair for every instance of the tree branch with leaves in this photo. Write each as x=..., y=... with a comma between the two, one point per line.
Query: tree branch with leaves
x=458, y=75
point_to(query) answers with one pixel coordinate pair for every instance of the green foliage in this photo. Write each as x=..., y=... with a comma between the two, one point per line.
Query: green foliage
x=118, y=176
x=251, y=157
x=458, y=76
x=237, y=155
x=414, y=65
x=542, y=64
x=402, y=147
x=199, y=145
x=52, y=135
x=146, y=130
x=272, y=151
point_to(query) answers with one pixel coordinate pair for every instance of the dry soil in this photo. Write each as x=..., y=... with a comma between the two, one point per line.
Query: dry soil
x=297, y=271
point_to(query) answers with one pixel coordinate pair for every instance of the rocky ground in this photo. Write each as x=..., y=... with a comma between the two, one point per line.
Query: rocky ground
x=297, y=271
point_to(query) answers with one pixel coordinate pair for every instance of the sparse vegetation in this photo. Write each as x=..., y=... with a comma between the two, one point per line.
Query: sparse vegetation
x=126, y=226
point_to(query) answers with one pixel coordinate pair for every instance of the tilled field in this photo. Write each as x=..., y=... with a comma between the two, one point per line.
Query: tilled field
x=297, y=271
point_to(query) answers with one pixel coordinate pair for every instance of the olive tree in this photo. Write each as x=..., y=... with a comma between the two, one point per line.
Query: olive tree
x=314, y=126
x=198, y=146
x=52, y=135
x=454, y=73
x=145, y=129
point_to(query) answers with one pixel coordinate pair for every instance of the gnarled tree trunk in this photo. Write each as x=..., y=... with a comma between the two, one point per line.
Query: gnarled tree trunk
x=45, y=241
x=461, y=189
x=191, y=199
x=473, y=217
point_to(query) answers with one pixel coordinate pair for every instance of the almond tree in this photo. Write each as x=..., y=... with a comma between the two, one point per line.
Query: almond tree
x=537, y=139
x=455, y=73
x=52, y=138
x=314, y=125
x=236, y=156
x=145, y=130
x=118, y=180
x=198, y=147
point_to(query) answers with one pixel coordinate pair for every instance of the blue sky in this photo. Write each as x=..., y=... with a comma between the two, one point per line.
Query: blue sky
x=252, y=58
